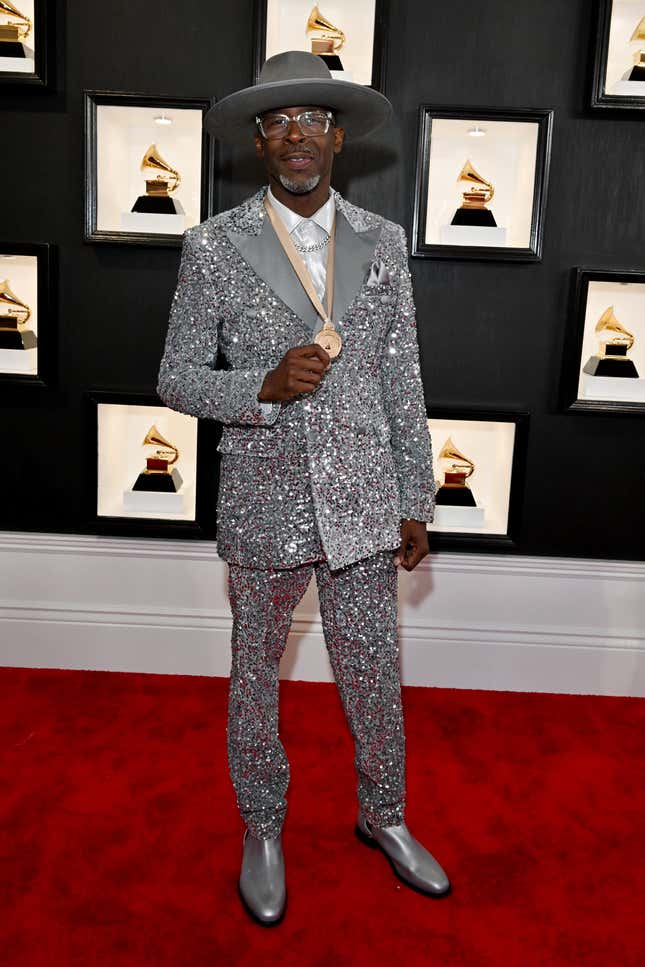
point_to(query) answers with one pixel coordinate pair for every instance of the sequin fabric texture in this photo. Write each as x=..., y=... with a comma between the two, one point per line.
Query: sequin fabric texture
x=335, y=470
x=358, y=610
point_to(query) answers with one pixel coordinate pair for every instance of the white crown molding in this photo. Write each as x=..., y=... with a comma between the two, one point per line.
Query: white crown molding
x=207, y=551
x=466, y=620
x=188, y=619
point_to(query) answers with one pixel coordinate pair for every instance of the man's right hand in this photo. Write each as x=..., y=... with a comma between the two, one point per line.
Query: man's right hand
x=299, y=371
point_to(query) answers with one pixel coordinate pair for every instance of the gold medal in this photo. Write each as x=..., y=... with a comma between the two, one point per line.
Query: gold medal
x=330, y=340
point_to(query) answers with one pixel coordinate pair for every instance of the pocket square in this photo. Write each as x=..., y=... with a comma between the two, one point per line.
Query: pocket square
x=379, y=274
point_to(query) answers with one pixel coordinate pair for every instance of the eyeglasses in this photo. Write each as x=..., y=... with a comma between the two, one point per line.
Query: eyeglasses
x=310, y=123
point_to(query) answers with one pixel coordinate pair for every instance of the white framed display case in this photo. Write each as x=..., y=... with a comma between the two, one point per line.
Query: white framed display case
x=27, y=313
x=481, y=183
x=149, y=168
x=348, y=36
x=25, y=39
x=142, y=465
x=604, y=357
x=619, y=56
x=478, y=465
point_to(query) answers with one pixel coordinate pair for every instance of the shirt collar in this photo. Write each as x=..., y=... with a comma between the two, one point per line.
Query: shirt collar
x=323, y=217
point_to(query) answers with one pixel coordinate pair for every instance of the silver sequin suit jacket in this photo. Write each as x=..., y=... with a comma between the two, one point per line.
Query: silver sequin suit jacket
x=329, y=474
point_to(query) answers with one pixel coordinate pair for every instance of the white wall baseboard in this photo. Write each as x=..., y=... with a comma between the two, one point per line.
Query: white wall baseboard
x=466, y=620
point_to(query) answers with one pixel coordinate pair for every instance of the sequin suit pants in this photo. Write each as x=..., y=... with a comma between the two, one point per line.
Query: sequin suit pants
x=358, y=607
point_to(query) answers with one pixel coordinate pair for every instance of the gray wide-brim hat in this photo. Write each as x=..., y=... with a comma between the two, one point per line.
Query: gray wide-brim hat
x=298, y=78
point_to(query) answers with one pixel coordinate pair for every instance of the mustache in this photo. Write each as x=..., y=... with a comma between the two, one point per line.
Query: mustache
x=298, y=151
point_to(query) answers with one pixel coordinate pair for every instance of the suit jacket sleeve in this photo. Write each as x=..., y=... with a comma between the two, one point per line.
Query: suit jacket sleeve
x=404, y=402
x=187, y=380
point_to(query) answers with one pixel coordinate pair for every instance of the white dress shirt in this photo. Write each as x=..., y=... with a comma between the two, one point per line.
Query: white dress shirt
x=306, y=233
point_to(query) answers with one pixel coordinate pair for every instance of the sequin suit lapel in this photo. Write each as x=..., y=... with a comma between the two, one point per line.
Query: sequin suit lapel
x=260, y=247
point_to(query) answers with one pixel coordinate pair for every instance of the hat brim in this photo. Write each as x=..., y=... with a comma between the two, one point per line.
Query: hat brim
x=360, y=109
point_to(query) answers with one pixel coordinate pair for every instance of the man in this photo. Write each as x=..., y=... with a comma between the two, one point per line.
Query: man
x=326, y=460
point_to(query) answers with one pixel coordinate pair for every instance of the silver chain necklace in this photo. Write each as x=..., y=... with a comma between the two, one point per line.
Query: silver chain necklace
x=317, y=247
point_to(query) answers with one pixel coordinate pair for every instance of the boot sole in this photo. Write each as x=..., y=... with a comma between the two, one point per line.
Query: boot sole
x=371, y=842
x=254, y=916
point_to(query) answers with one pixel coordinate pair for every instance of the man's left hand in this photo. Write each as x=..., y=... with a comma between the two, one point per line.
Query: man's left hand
x=414, y=544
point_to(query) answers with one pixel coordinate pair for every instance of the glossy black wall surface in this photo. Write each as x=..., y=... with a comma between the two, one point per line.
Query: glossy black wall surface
x=491, y=334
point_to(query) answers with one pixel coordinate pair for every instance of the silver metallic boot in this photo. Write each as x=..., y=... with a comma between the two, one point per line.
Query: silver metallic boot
x=411, y=861
x=261, y=884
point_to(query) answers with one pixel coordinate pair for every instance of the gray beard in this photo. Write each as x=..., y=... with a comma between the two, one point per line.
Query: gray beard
x=299, y=187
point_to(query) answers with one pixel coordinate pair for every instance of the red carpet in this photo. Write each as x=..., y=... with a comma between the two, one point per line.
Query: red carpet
x=120, y=841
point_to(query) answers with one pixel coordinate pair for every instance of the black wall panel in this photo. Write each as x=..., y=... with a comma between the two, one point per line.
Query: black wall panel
x=491, y=334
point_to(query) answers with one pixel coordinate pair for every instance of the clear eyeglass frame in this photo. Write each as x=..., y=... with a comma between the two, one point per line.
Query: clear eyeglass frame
x=318, y=119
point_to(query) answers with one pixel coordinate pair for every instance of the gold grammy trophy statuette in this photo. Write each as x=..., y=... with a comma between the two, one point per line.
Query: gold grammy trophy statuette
x=14, y=28
x=161, y=181
x=476, y=193
x=638, y=70
x=326, y=39
x=454, y=491
x=158, y=476
x=612, y=359
x=14, y=316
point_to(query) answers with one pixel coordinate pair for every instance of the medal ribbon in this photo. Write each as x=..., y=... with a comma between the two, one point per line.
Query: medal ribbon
x=299, y=266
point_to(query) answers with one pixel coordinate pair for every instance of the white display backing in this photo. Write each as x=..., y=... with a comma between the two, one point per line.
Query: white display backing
x=458, y=518
x=27, y=64
x=145, y=503
x=19, y=362
x=490, y=446
x=603, y=388
x=154, y=223
x=121, y=456
x=473, y=235
x=628, y=300
x=19, y=65
x=22, y=273
x=505, y=156
x=123, y=135
x=625, y=15
x=286, y=30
